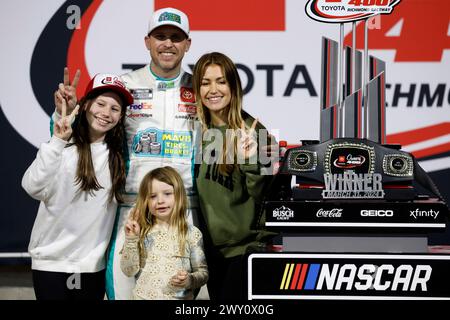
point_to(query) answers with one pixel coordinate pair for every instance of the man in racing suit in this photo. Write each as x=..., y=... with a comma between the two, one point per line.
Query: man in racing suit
x=160, y=127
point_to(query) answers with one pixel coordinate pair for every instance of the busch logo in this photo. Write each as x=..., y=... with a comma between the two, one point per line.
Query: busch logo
x=333, y=213
x=283, y=213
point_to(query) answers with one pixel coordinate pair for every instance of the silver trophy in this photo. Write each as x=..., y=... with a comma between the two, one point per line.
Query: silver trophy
x=352, y=98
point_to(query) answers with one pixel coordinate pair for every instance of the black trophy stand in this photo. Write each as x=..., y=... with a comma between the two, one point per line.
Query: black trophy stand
x=353, y=212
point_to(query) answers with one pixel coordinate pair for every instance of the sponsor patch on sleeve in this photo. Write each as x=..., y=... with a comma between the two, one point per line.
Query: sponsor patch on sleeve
x=187, y=108
x=140, y=94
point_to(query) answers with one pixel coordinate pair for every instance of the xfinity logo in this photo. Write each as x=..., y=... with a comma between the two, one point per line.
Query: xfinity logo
x=333, y=213
x=283, y=213
x=377, y=213
x=424, y=213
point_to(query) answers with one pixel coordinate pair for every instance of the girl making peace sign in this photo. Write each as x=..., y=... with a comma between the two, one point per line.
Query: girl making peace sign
x=78, y=176
x=161, y=249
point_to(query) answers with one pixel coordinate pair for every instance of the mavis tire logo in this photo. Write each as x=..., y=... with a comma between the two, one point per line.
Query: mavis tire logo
x=338, y=11
x=346, y=277
x=283, y=213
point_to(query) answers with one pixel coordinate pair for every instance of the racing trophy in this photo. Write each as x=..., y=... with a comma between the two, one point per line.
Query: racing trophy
x=353, y=211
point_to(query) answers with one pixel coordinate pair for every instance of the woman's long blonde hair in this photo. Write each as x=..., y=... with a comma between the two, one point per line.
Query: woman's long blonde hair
x=145, y=218
x=234, y=111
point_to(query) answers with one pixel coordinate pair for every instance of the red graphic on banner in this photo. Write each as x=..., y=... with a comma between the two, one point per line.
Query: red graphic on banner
x=423, y=35
x=422, y=134
x=249, y=15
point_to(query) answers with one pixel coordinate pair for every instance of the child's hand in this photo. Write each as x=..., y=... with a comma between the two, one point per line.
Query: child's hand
x=181, y=279
x=63, y=127
x=68, y=91
x=132, y=227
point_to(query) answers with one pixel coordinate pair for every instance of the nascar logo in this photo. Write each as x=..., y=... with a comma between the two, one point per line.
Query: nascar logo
x=386, y=277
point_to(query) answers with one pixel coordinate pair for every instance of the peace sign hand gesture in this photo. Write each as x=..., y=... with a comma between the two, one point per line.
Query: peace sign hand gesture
x=68, y=91
x=63, y=127
x=247, y=143
x=132, y=227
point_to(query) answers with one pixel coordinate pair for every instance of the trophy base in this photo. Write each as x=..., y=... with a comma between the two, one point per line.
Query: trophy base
x=353, y=243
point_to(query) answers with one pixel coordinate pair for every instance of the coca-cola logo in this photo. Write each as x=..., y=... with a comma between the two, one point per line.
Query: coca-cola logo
x=333, y=213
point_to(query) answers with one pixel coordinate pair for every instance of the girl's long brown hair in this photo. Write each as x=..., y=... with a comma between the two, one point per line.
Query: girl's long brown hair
x=145, y=218
x=115, y=141
x=234, y=111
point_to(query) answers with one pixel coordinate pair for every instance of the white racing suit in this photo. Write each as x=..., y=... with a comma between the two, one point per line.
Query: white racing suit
x=160, y=131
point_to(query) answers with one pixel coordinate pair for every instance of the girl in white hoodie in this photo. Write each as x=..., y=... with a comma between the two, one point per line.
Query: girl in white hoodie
x=78, y=176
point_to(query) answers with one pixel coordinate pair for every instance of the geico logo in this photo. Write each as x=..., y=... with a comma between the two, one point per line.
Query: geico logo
x=377, y=213
x=351, y=277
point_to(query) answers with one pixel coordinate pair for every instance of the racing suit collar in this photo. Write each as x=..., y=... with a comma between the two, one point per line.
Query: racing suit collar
x=161, y=78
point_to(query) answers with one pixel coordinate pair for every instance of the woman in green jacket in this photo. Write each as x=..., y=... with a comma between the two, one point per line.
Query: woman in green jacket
x=229, y=179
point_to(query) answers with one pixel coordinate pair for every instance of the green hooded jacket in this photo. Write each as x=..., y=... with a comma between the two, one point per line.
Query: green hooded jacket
x=231, y=205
